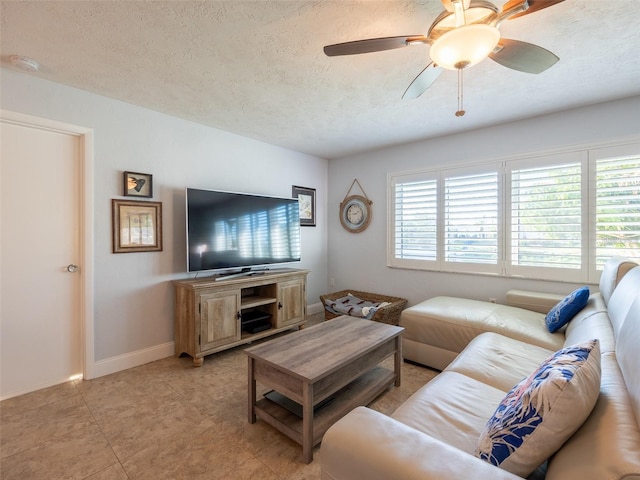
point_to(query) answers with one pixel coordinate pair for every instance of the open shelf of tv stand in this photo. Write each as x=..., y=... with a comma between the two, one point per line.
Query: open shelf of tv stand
x=256, y=301
x=208, y=311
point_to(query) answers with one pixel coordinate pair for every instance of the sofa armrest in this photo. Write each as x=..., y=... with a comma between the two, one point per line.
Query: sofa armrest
x=535, y=301
x=368, y=444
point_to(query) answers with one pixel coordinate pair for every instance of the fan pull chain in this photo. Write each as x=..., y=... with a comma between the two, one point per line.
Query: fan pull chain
x=460, y=111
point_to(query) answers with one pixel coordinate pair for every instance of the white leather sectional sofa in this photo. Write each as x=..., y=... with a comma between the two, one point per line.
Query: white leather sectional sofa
x=484, y=353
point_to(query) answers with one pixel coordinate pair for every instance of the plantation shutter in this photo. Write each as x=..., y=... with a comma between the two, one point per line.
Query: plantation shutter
x=415, y=220
x=617, y=212
x=546, y=217
x=557, y=216
x=471, y=219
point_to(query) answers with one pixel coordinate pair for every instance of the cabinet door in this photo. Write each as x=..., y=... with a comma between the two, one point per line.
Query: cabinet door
x=219, y=322
x=291, y=302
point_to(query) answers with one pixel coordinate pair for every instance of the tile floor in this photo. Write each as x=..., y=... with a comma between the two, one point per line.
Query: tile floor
x=162, y=420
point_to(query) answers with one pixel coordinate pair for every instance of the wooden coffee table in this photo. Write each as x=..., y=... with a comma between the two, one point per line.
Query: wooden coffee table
x=332, y=367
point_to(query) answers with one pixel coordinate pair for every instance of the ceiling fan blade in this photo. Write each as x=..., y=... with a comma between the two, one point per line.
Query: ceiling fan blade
x=523, y=56
x=372, y=45
x=423, y=81
x=534, y=6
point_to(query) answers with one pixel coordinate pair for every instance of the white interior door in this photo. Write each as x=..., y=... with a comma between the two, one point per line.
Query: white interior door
x=40, y=302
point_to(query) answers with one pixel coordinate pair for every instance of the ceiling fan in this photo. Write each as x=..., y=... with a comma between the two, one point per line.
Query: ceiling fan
x=465, y=33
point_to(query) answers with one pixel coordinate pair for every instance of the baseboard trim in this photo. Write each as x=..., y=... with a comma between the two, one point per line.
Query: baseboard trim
x=40, y=386
x=151, y=354
x=133, y=359
x=314, y=308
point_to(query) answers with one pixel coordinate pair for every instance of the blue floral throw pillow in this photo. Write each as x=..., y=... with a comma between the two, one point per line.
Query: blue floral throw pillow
x=542, y=411
x=566, y=309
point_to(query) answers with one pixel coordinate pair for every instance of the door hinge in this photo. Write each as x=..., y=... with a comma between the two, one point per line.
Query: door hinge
x=199, y=340
x=199, y=308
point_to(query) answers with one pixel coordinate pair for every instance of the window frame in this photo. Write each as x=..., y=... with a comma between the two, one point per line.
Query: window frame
x=585, y=155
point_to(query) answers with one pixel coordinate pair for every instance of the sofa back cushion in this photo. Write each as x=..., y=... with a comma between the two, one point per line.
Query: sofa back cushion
x=621, y=299
x=627, y=346
x=614, y=270
x=592, y=322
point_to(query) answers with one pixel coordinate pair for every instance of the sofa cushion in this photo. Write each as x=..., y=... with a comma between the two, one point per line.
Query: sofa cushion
x=451, y=323
x=452, y=408
x=498, y=361
x=542, y=411
x=566, y=309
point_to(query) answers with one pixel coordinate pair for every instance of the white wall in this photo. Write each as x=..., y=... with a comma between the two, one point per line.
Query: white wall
x=358, y=261
x=133, y=293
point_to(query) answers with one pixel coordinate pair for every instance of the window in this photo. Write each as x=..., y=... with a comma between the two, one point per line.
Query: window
x=557, y=217
x=545, y=224
x=471, y=218
x=617, y=205
x=415, y=226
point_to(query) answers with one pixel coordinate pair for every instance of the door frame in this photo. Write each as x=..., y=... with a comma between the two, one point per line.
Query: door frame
x=86, y=309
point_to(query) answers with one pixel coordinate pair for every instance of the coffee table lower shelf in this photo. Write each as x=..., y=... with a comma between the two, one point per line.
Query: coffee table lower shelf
x=360, y=392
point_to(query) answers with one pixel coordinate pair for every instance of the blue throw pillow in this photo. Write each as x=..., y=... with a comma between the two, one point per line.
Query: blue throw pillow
x=566, y=309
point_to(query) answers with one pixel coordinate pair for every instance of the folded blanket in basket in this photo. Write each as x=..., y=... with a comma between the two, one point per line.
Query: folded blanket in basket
x=353, y=306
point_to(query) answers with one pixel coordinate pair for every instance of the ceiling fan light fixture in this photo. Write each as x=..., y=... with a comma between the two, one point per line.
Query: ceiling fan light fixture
x=464, y=46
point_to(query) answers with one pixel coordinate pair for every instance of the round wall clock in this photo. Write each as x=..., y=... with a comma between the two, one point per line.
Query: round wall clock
x=355, y=213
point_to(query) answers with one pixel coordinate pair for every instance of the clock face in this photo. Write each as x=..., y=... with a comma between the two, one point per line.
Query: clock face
x=355, y=213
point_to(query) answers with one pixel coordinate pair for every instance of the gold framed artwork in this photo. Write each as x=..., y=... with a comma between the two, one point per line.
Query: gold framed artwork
x=137, y=184
x=307, y=201
x=136, y=226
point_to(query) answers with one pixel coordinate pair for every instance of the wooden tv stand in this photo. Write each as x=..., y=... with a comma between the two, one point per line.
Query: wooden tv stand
x=208, y=311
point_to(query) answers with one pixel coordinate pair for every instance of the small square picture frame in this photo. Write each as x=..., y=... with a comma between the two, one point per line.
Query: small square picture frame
x=307, y=200
x=137, y=184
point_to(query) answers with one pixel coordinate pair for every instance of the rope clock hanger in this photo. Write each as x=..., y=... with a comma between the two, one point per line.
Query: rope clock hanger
x=355, y=210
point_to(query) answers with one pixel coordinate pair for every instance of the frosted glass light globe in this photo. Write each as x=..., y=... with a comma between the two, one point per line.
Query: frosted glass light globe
x=464, y=46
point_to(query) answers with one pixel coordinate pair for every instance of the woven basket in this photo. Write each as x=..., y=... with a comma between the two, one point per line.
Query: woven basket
x=389, y=314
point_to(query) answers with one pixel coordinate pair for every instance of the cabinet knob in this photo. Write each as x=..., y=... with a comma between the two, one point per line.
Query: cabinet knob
x=238, y=315
x=279, y=305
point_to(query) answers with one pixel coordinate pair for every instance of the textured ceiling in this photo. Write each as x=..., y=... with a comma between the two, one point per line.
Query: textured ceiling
x=256, y=68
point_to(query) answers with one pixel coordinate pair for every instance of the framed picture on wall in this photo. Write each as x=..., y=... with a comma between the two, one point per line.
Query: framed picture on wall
x=307, y=200
x=136, y=225
x=138, y=184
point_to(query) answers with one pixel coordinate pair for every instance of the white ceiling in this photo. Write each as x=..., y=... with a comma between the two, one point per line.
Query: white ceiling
x=256, y=68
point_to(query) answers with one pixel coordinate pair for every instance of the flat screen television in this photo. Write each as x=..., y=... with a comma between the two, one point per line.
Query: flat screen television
x=228, y=230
